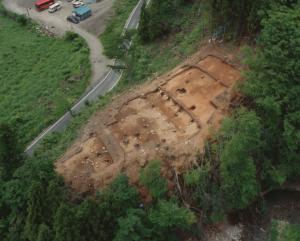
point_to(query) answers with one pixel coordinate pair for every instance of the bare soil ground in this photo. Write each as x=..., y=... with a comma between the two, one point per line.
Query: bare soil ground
x=167, y=119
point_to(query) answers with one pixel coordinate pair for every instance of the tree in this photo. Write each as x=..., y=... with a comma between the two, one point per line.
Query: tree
x=44, y=233
x=132, y=227
x=168, y=216
x=273, y=85
x=151, y=178
x=56, y=194
x=143, y=29
x=35, y=214
x=120, y=196
x=9, y=152
x=156, y=19
x=241, y=140
x=205, y=192
x=114, y=201
x=92, y=223
x=65, y=224
x=244, y=16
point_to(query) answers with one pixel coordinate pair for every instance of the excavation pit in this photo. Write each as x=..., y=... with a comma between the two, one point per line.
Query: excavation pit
x=168, y=120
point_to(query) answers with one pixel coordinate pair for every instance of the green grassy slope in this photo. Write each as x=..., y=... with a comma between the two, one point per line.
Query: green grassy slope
x=192, y=23
x=40, y=77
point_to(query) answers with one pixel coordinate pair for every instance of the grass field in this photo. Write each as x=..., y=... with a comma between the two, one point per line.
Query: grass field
x=40, y=76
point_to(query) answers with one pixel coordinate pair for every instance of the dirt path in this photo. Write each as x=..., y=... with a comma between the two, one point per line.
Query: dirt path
x=59, y=26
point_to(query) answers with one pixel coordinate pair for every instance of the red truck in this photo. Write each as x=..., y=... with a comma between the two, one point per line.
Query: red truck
x=43, y=4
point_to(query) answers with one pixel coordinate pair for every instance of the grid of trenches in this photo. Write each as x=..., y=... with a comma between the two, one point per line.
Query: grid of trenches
x=170, y=122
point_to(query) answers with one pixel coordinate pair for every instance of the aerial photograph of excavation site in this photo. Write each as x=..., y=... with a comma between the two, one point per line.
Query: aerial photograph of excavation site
x=149, y=120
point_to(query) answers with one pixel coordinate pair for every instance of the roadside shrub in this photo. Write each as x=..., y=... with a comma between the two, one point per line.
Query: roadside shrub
x=70, y=36
x=21, y=19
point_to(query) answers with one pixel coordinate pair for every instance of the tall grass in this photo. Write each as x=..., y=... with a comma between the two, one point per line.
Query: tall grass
x=40, y=76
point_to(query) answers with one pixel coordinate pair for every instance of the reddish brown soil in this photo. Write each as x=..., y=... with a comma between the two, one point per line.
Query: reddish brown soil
x=167, y=119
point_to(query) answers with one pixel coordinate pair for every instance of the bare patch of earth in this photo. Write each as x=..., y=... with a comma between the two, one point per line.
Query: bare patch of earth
x=167, y=119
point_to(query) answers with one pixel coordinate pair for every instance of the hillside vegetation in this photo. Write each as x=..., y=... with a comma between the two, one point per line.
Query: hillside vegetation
x=256, y=149
x=184, y=25
x=40, y=76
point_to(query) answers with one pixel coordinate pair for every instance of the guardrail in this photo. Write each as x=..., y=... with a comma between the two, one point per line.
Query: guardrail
x=102, y=87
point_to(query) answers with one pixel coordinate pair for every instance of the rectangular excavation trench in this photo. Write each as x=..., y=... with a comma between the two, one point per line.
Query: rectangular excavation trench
x=183, y=107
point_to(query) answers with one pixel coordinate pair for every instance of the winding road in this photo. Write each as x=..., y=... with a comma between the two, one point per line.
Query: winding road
x=102, y=80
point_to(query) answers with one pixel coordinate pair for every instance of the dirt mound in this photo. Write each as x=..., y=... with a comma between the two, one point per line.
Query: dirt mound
x=168, y=119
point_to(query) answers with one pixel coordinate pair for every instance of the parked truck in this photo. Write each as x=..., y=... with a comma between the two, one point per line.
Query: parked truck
x=82, y=12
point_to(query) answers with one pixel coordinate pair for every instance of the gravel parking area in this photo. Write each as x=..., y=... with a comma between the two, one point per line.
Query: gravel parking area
x=95, y=24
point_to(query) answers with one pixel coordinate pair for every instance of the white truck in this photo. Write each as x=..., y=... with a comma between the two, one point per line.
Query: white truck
x=55, y=7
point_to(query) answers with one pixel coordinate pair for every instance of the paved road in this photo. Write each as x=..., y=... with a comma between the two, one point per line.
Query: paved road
x=102, y=84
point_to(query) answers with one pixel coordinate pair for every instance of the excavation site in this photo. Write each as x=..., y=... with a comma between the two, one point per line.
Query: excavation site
x=167, y=119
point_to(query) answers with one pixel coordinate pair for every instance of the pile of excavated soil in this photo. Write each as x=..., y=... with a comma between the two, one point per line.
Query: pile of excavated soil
x=168, y=119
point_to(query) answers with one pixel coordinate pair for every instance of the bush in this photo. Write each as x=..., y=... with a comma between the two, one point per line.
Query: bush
x=151, y=178
x=21, y=19
x=70, y=36
x=167, y=216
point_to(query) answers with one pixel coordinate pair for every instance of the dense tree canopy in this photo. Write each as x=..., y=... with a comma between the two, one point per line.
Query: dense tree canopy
x=244, y=16
x=9, y=151
x=273, y=84
x=242, y=144
x=156, y=19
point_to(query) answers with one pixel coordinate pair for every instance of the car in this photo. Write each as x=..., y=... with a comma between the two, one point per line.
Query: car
x=73, y=19
x=55, y=7
x=78, y=4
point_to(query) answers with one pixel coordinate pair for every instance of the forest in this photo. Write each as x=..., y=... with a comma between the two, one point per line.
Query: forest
x=256, y=150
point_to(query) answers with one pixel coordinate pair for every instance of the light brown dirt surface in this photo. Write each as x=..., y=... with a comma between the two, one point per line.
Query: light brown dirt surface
x=167, y=119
